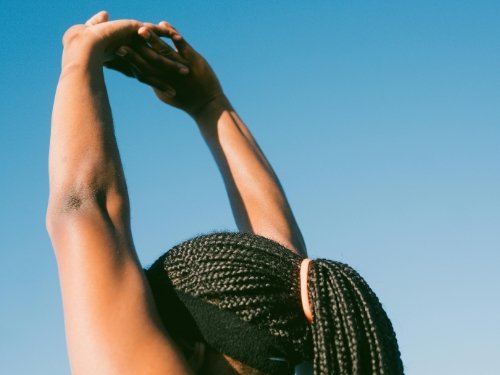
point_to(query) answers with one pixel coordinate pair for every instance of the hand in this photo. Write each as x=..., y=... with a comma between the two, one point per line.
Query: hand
x=98, y=37
x=163, y=67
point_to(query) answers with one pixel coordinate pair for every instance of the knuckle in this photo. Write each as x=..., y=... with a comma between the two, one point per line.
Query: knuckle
x=135, y=24
x=158, y=59
x=164, y=50
x=73, y=33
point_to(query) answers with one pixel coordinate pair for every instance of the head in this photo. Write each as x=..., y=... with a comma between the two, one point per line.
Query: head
x=232, y=302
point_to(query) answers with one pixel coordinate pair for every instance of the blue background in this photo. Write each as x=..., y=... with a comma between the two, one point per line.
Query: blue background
x=380, y=117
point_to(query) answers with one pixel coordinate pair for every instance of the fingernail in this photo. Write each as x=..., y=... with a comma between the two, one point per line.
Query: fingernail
x=121, y=52
x=144, y=32
x=183, y=70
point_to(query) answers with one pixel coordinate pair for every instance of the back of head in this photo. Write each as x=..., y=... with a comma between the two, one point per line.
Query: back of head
x=240, y=293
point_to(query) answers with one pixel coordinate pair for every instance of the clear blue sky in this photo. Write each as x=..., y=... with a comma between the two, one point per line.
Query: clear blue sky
x=381, y=118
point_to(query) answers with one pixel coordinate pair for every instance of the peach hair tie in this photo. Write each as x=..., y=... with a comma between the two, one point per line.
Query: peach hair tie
x=304, y=295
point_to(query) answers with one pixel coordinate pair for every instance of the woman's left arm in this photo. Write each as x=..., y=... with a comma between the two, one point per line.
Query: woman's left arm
x=257, y=198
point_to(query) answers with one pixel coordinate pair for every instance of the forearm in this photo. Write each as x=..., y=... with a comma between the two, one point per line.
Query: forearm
x=257, y=199
x=84, y=163
x=258, y=202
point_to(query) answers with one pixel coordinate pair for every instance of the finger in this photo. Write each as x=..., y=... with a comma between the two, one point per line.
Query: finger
x=118, y=30
x=166, y=29
x=121, y=66
x=99, y=17
x=157, y=43
x=163, y=29
x=161, y=47
x=142, y=69
x=147, y=32
x=167, y=65
x=153, y=82
x=184, y=48
x=115, y=34
x=132, y=58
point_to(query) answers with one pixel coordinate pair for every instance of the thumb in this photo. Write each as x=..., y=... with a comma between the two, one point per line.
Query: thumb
x=99, y=17
x=117, y=31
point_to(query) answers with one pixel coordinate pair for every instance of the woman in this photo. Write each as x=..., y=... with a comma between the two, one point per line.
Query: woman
x=225, y=303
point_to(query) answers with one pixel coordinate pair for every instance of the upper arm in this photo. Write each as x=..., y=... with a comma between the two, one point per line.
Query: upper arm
x=112, y=325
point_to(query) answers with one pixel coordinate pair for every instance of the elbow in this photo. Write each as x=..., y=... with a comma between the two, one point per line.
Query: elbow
x=68, y=201
x=84, y=201
x=73, y=198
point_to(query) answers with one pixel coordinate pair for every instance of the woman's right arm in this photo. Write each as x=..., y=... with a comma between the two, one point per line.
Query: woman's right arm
x=257, y=199
x=112, y=326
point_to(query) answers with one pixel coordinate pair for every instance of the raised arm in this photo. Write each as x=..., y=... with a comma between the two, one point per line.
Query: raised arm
x=257, y=199
x=112, y=326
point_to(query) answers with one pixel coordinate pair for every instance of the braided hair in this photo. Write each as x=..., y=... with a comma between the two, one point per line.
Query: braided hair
x=253, y=283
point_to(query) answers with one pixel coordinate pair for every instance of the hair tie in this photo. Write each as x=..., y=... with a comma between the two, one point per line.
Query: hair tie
x=304, y=295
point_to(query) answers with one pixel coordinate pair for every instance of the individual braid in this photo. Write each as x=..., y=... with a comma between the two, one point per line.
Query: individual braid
x=351, y=332
x=258, y=280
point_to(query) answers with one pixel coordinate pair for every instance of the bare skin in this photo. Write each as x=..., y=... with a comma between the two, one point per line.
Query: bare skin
x=112, y=325
x=257, y=199
x=111, y=322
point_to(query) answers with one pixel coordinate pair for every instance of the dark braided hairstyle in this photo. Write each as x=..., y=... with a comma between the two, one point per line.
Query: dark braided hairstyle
x=351, y=331
x=253, y=283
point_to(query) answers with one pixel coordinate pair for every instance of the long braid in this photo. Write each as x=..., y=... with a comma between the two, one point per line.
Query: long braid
x=347, y=313
x=256, y=279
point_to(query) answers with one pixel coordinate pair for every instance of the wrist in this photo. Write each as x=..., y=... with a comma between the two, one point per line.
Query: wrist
x=82, y=49
x=211, y=110
x=79, y=60
x=81, y=55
